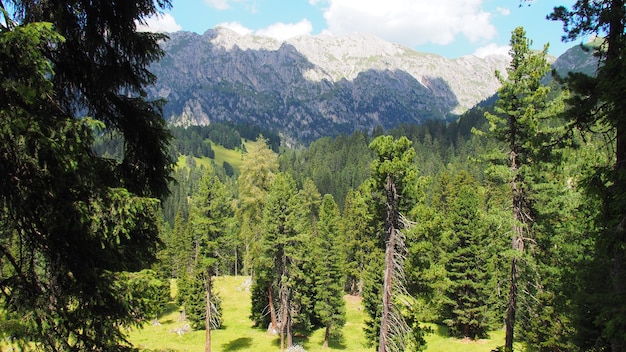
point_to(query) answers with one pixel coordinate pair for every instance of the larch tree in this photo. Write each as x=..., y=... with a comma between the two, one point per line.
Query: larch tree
x=515, y=123
x=72, y=221
x=257, y=171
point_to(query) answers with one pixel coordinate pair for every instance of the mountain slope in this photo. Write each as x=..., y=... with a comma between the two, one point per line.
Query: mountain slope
x=314, y=86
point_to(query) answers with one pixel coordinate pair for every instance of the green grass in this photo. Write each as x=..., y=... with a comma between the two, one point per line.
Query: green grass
x=439, y=341
x=233, y=157
x=238, y=333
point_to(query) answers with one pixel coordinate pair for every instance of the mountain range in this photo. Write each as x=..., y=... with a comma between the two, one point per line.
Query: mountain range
x=313, y=86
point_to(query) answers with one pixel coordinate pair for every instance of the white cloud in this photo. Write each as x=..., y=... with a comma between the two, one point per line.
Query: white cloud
x=504, y=11
x=218, y=4
x=235, y=27
x=412, y=22
x=492, y=49
x=282, y=31
x=160, y=23
x=249, y=5
x=279, y=30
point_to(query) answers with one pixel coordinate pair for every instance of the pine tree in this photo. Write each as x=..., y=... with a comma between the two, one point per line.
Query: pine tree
x=306, y=225
x=394, y=179
x=597, y=104
x=358, y=228
x=516, y=124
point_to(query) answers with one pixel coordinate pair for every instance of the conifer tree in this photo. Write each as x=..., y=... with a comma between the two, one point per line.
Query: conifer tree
x=210, y=210
x=516, y=124
x=257, y=171
x=598, y=104
x=394, y=180
x=466, y=304
x=280, y=253
x=72, y=220
x=329, y=303
x=358, y=229
x=306, y=225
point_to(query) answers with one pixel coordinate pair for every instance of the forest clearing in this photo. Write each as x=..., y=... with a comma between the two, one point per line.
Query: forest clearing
x=239, y=334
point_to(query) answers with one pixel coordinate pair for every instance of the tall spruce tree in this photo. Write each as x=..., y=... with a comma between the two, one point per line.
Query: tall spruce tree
x=329, y=303
x=358, y=229
x=278, y=260
x=515, y=123
x=306, y=225
x=210, y=210
x=72, y=220
x=466, y=307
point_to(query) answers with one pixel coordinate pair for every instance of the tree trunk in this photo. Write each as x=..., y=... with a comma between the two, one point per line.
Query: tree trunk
x=390, y=231
x=326, y=337
x=614, y=58
x=271, y=305
x=511, y=308
x=518, y=203
x=283, y=325
x=207, y=322
x=236, y=260
x=387, y=288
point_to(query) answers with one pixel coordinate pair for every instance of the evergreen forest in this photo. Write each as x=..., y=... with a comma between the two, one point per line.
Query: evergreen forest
x=512, y=217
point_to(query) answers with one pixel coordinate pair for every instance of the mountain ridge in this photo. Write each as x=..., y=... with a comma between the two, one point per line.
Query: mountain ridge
x=312, y=86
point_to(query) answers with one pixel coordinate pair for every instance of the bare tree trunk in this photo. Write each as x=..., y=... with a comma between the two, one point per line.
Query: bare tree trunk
x=271, y=305
x=387, y=288
x=520, y=218
x=390, y=229
x=511, y=308
x=286, y=322
x=283, y=324
x=236, y=260
x=207, y=322
x=289, y=327
x=326, y=336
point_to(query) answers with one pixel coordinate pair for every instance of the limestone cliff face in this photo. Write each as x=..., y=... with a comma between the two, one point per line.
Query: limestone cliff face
x=314, y=86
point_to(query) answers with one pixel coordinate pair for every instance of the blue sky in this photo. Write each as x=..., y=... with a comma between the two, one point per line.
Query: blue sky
x=451, y=28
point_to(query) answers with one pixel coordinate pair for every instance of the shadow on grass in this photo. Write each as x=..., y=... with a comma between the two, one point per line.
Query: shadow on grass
x=337, y=343
x=440, y=330
x=241, y=343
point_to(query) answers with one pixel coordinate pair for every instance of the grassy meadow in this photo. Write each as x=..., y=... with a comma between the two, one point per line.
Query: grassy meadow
x=233, y=157
x=238, y=334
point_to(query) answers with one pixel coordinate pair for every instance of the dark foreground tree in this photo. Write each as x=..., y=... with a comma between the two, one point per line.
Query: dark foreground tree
x=71, y=220
x=598, y=104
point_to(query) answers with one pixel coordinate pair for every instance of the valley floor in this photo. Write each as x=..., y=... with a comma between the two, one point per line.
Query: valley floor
x=238, y=334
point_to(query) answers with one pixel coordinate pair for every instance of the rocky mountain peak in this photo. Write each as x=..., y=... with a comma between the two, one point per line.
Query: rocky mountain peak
x=311, y=86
